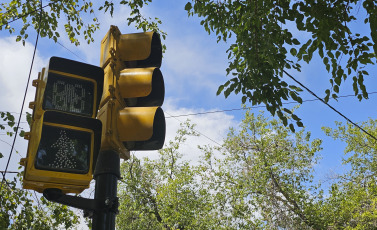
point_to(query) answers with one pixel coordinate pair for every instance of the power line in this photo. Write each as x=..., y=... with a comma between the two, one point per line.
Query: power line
x=70, y=51
x=197, y=131
x=23, y=102
x=335, y=110
x=4, y=172
x=252, y=107
x=227, y=110
x=10, y=145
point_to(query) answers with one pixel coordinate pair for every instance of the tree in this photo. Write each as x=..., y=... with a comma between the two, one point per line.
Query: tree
x=164, y=193
x=258, y=182
x=356, y=190
x=266, y=174
x=266, y=43
x=262, y=177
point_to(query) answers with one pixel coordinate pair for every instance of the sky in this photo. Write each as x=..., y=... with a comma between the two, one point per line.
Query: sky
x=193, y=67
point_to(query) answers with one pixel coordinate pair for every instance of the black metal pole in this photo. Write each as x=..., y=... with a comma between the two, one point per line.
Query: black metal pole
x=106, y=175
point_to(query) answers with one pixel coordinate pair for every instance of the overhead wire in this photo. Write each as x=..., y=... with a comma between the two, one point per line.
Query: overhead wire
x=10, y=145
x=331, y=107
x=197, y=131
x=252, y=107
x=70, y=51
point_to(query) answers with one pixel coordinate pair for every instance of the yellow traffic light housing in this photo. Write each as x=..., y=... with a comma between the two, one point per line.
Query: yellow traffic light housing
x=142, y=87
x=147, y=125
x=65, y=136
x=133, y=92
x=135, y=50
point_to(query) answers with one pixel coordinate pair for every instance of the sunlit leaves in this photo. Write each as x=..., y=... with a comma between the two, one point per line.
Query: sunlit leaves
x=20, y=210
x=45, y=18
x=354, y=195
x=263, y=32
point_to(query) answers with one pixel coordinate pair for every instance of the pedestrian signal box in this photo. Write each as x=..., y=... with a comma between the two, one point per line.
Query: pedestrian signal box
x=65, y=136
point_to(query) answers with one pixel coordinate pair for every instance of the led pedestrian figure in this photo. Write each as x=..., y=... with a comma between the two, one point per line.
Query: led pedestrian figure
x=64, y=157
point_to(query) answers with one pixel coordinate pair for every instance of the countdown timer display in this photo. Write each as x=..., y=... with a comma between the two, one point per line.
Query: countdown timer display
x=69, y=94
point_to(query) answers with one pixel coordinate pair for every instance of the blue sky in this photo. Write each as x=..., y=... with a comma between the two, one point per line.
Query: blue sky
x=193, y=67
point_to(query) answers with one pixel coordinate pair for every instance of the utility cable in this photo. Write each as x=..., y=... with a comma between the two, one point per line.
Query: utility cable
x=229, y=110
x=70, y=51
x=323, y=101
x=3, y=172
x=251, y=107
x=23, y=102
x=10, y=145
x=196, y=131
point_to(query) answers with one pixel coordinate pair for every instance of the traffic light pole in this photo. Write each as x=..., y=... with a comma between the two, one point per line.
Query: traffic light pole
x=104, y=207
x=106, y=174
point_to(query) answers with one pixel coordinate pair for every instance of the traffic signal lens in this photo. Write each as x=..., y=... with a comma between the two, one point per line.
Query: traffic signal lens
x=68, y=94
x=64, y=149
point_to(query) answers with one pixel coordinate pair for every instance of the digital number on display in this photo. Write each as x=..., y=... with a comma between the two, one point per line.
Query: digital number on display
x=69, y=94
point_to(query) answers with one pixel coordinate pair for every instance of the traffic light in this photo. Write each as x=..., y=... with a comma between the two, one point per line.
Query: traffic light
x=65, y=136
x=133, y=92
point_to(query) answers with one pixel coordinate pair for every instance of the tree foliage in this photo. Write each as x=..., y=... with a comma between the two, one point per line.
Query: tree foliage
x=269, y=38
x=19, y=209
x=68, y=13
x=262, y=177
x=164, y=193
x=356, y=191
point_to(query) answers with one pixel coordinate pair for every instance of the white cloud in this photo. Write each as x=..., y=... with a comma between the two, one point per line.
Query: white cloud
x=201, y=64
x=15, y=63
x=15, y=66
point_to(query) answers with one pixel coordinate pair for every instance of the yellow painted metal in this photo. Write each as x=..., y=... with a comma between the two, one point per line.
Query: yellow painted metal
x=108, y=45
x=136, y=82
x=110, y=89
x=41, y=186
x=108, y=115
x=136, y=123
x=108, y=85
x=136, y=46
x=40, y=85
x=39, y=180
x=125, y=86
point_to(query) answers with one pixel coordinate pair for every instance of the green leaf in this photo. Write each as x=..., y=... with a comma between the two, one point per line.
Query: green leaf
x=336, y=89
x=291, y=126
x=295, y=41
x=293, y=51
x=220, y=89
x=287, y=111
x=188, y=6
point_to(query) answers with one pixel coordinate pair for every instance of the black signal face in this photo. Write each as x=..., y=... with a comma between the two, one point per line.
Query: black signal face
x=69, y=94
x=64, y=149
